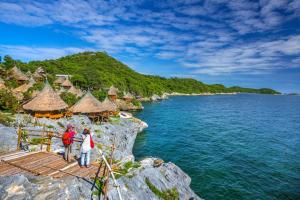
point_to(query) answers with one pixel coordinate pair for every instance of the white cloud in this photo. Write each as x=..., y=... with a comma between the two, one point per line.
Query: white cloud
x=37, y=53
x=206, y=36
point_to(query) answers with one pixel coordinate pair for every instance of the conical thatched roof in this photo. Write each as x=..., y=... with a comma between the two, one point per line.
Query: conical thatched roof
x=128, y=95
x=23, y=88
x=109, y=105
x=18, y=74
x=88, y=104
x=46, y=100
x=75, y=91
x=59, y=80
x=38, y=73
x=67, y=83
x=112, y=91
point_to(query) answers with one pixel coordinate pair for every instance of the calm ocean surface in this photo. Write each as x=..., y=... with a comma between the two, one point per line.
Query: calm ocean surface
x=243, y=146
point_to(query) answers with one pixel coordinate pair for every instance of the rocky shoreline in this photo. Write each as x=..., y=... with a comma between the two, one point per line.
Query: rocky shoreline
x=136, y=183
x=164, y=96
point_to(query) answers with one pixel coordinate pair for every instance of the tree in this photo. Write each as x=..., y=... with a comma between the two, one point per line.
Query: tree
x=8, y=101
x=8, y=62
x=69, y=98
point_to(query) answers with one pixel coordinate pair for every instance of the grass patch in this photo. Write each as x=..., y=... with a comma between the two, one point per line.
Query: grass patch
x=126, y=167
x=36, y=141
x=114, y=120
x=170, y=194
x=50, y=126
x=60, y=124
x=5, y=119
x=100, y=185
x=99, y=146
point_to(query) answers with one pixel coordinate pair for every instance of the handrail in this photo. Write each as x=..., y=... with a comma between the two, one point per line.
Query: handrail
x=112, y=174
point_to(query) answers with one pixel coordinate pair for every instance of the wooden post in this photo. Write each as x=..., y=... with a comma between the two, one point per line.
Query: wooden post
x=19, y=138
x=108, y=174
x=49, y=144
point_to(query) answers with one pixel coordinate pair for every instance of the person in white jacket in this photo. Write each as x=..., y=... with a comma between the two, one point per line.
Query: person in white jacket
x=86, y=147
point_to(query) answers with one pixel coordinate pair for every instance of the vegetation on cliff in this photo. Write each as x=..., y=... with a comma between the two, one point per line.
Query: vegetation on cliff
x=98, y=71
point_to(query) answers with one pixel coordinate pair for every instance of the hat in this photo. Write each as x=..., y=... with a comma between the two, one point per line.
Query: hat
x=70, y=126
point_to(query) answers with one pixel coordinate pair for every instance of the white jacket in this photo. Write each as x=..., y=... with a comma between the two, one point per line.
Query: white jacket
x=86, y=144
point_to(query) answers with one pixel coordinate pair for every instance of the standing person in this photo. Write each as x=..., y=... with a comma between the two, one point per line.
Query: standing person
x=67, y=140
x=86, y=146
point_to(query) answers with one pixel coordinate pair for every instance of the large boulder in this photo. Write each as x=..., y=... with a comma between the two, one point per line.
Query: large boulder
x=19, y=187
x=8, y=138
x=166, y=177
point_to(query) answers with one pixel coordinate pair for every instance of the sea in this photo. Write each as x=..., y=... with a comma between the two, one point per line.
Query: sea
x=244, y=146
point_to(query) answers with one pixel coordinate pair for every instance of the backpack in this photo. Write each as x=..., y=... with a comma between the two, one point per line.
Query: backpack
x=66, y=139
x=91, y=142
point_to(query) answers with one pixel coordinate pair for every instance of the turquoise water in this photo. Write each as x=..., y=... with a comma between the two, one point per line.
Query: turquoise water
x=242, y=146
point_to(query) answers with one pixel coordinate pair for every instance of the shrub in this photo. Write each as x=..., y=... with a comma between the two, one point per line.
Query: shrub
x=136, y=103
x=8, y=101
x=4, y=119
x=69, y=98
x=170, y=194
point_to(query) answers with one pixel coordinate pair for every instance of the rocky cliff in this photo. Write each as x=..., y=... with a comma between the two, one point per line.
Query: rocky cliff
x=146, y=180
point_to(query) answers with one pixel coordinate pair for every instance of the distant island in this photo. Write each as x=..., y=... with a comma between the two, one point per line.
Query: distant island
x=97, y=71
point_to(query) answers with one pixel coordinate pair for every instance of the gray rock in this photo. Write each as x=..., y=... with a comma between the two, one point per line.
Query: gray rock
x=8, y=138
x=19, y=187
x=167, y=176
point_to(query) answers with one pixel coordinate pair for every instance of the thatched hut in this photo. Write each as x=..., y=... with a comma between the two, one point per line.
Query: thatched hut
x=110, y=107
x=67, y=84
x=24, y=88
x=75, y=91
x=88, y=105
x=128, y=97
x=113, y=93
x=47, y=103
x=19, y=75
x=39, y=74
x=59, y=80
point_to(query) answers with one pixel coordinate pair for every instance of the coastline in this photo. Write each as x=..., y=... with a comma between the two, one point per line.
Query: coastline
x=164, y=176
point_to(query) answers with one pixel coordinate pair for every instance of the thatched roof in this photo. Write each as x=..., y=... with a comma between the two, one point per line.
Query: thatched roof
x=59, y=80
x=18, y=74
x=75, y=91
x=67, y=83
x=46, y=100
x=23, y=88
x=109, y=105
x=38, y=73
x=128, y=95
x=113, y=91
x=88, y=104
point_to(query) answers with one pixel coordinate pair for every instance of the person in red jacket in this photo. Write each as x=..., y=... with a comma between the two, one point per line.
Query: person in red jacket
x=67, y=139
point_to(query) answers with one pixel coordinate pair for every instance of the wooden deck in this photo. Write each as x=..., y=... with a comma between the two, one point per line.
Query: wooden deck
x=43, y=164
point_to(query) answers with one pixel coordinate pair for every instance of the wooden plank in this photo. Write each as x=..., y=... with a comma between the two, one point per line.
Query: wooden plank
x=65, y=168
x=18, y=166
x=26, y=157
x=27, y=160
x=17, y=155
x=44, y=165
x=55, y=166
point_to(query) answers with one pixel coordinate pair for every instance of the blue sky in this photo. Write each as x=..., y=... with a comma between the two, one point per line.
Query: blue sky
x=246, y=43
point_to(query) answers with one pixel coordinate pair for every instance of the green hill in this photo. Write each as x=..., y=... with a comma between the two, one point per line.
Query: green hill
x=97, y=70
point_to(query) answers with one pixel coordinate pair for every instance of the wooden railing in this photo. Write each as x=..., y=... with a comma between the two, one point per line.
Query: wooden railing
x=45, y=136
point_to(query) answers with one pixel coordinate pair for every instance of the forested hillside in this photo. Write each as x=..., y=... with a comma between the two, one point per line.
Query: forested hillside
x=97, y=70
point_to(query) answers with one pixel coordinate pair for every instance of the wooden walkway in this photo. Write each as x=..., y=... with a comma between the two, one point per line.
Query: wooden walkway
x=43, y=164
